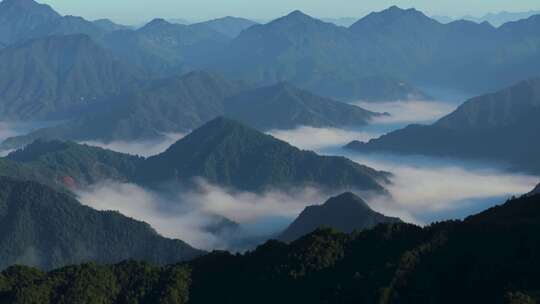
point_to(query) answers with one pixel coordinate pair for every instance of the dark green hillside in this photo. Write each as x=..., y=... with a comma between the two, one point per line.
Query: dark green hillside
x=227, y=153
x=488, y=258
x=75, y=165
x=48, y=229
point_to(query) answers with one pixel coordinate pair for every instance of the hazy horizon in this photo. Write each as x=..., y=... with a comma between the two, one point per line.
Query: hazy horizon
x=138, y=11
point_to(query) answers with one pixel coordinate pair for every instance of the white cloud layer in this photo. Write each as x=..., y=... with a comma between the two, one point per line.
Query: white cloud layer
x=188, y=215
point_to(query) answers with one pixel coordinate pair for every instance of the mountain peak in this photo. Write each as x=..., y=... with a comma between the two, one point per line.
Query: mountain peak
x=155, y=23
x=346, y=213
x=392, y=15
x=347, y=200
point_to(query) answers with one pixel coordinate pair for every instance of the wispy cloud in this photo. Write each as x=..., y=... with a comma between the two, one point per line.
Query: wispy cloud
x=143, y=147
x=309, y=138
x=429, y=188
x=409, y=111
x=188, y=215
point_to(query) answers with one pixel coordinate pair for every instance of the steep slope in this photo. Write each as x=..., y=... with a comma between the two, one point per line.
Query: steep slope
x=47, y=229
x=63, y=75
x=395, y=263
x=165, y=48
x=228, y=26
x=230, y=154
x=283, y=106
x=345, y=213
x=19, y=17
x=495, y=127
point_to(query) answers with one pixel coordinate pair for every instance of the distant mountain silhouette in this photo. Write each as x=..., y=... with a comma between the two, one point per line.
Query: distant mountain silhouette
x=312, y=54
x=283, y=106
x=228, y=26
x=19, y=17
x=495, y=127
x=395, y=43
x=345, y=213
x=181, y=104
x=47, y=229
x=164, y=48
x=227, y=153
x=62, y=76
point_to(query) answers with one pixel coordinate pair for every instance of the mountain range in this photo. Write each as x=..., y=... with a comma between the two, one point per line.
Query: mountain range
x=181, y=104
x=461, y=55
x=329, y=60
x=223, y=152
x=392, y=263
x=345, y=213
x=48, y=229
x=496, y=127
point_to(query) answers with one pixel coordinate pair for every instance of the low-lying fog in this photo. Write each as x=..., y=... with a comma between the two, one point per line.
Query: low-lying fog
x=423, y=189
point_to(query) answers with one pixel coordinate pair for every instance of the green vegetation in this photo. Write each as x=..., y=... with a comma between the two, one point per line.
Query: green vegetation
x=227, y=153
x=49, y=229
x=68, y=165
x=487, y=258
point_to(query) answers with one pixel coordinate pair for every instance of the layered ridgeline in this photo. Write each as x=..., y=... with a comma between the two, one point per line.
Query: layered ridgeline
x=181, y=104
x=497, y=127
x=374, y=59
x=48, y=229
x=394, y=263
x=345, y=213
x=227, y=153
x=406, y=44
x=63, y=76
x=222, y=152
x=161, y=47
x=315, y=55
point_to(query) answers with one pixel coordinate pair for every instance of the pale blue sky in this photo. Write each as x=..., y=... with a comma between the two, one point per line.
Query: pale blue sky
x=136, y=11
